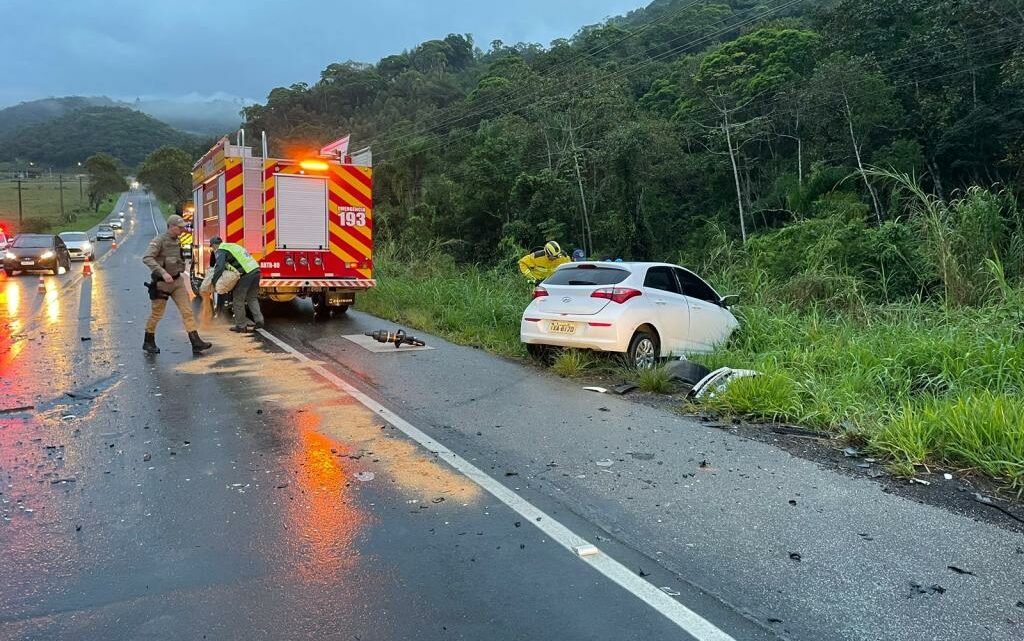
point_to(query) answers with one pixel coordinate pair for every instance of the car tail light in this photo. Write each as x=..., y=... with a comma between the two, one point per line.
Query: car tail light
x=539, y=292
x=600, y=324
x=617, y=294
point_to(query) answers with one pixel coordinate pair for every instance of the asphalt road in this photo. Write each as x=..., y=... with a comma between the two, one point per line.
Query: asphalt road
x=294, y=485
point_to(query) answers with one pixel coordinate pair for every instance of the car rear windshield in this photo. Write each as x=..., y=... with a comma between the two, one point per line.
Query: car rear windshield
x=104, y=228
x=74, y=236
x=588, y=275
x=33, y=241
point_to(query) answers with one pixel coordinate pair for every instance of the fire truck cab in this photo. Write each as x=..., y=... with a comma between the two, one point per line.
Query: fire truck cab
x=308, y=221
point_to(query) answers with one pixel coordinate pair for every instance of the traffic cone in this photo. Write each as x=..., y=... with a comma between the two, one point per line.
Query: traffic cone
x=42, y=286
x=113, y=244
x=87, y=267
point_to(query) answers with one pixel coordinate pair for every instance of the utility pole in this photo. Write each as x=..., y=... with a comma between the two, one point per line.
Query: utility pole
x=81, y=193
x=20, y=217
x=60, y=182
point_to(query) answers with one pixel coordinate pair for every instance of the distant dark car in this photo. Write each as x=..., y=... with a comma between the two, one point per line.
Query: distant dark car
x=105, y=232
x=36, y=252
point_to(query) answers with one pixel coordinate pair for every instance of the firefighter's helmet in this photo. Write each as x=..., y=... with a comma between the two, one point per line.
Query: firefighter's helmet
x=553, y=250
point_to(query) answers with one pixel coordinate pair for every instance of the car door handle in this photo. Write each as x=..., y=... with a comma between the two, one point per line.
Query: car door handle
x=660, y=302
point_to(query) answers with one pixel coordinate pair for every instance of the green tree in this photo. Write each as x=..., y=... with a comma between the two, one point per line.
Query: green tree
x=167, y=172
x=104, y=178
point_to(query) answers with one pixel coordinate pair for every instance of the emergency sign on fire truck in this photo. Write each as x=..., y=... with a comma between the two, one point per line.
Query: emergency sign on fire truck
x=308, y=221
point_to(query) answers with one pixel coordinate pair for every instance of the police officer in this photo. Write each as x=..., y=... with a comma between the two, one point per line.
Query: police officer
x=237, y=259
x=163, y=258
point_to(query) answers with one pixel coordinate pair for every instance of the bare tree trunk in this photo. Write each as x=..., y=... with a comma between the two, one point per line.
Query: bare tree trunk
x=940, y=190
x=735, y=172
x=860, y=164
x=588, y=243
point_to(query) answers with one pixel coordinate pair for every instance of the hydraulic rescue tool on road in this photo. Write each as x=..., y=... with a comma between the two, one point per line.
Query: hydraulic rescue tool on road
x=308, y=220
x=398, y=338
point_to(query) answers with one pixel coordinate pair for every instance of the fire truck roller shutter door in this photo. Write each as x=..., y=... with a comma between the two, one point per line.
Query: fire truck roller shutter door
x=301, y=213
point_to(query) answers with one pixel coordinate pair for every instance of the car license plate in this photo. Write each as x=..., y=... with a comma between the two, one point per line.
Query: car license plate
x=28, y=262
x=560, y=327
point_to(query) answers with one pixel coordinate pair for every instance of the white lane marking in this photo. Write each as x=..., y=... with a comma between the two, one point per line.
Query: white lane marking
x=152, y=216
x=691, y=622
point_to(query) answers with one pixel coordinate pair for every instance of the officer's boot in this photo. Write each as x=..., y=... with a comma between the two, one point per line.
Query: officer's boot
x=149, y=345
x=198, y=345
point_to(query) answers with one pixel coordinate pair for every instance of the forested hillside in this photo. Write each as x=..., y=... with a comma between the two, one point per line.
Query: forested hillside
x=652, y=133
x=125, y=134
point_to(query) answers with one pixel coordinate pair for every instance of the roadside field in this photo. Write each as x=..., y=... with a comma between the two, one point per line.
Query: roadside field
x=40, y=199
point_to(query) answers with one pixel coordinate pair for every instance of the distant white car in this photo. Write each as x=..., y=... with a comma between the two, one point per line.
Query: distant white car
x=121, y=215
x=78, y=244
x=105, y=232
x=644, y=310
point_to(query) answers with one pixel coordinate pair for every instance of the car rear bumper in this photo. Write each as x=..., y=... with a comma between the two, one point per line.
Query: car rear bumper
x=593, y=334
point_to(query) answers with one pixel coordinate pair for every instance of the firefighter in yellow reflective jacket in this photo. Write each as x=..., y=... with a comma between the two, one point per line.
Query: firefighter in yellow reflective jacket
x=541, y=264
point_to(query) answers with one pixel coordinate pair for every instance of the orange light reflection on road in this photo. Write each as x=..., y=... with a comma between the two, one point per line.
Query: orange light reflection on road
x=322, y=520
x=52, y=306
x=11, y=296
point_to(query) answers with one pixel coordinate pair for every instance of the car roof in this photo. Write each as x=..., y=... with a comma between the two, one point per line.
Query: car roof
x=624, y=264
x=35, y=235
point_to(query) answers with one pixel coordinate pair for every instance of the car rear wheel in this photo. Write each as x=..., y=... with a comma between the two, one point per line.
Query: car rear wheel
x=643, y=349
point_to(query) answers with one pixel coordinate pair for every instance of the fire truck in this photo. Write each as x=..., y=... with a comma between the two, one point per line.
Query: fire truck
x=307, y=220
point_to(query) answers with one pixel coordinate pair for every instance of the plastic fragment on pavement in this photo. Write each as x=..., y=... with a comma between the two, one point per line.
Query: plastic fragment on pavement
x=605, y=463
x=365, y=476
x=669, y=591
x=947, y=476
x=599, y=390
x=920, y=481
x=583, y=551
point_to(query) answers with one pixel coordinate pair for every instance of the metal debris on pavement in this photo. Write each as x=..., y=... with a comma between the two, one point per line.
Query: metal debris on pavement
x=584, y=551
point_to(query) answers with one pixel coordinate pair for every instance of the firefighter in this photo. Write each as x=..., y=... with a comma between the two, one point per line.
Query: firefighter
x=163, y=258
x=542, y=263
x=237, y=259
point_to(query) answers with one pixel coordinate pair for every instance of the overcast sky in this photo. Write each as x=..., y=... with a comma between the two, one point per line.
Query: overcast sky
x=244, y=48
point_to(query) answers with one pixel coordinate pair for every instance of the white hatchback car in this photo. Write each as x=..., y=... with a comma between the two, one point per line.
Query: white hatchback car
x=644, y=310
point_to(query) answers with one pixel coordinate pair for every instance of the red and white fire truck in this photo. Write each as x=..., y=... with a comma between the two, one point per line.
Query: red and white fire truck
x=307, y=220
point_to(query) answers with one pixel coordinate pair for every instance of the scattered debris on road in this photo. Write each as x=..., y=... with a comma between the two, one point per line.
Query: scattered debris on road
x=718, y=380
x=599, y=390
x=584, y=551
x=605, y=463
x=961, y=570
x=625, y=388
x=984, y=500
x=916, y=589
x=795, y=556
x=669, y=591
x=365, y=476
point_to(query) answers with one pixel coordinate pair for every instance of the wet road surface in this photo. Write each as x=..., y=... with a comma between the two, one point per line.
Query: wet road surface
x=247, y=495
x=241, y=496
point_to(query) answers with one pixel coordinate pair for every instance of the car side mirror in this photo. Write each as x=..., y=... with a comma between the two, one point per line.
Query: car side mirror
x=729, y=301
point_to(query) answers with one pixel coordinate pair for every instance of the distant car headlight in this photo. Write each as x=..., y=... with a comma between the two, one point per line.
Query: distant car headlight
x=46, y=255
x=10, y=256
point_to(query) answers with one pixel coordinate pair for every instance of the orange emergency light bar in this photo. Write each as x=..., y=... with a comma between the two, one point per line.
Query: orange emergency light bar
x=314, y=165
